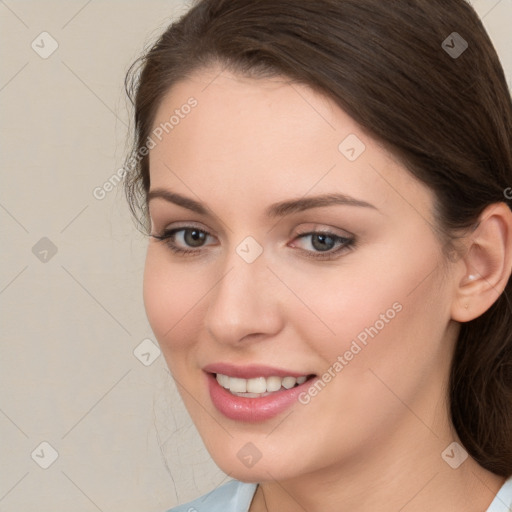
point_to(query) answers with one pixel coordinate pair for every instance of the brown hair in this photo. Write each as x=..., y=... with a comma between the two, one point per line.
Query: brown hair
x=447, y=117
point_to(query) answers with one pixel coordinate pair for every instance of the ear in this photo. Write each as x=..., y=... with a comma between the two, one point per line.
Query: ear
x=486, y=266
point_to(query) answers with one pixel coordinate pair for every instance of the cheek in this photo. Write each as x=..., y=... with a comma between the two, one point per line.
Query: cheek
x=373, y=307
x=390, y=334
x=172, y=298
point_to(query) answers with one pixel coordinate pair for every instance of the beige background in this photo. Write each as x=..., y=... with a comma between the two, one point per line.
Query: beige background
x=72, y=320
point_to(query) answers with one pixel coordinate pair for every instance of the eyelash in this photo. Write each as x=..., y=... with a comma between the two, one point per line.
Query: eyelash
x=347, y=243
x=168, y=234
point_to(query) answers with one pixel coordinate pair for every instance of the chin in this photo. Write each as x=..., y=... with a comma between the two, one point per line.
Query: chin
x=239, y=465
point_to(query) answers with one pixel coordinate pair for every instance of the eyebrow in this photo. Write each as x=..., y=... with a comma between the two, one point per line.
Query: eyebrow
x=280, y=209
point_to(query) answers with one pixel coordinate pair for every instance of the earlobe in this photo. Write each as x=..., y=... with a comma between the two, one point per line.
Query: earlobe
x=486, y=265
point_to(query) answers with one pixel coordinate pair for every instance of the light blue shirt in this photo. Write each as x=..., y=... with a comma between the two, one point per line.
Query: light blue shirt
x=236, y=496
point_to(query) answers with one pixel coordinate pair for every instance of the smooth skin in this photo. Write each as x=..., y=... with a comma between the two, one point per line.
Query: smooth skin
x=372, y=439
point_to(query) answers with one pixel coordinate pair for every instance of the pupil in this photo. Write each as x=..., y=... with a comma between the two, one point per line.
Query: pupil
x=325, y=242
x=195, y=238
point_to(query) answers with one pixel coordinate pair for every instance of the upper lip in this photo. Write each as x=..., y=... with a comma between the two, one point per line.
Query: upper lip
x=251, y=371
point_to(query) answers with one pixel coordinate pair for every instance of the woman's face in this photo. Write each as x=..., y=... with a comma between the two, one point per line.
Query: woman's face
x=312, y=255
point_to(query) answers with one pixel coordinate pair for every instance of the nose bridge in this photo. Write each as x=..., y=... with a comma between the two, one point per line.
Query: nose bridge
x=241, y=302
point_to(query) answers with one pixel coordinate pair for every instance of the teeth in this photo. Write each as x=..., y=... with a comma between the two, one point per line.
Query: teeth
x=289, y=382
x=223, y=380
x=237, y=385
x=274, y=383
x=259, y=385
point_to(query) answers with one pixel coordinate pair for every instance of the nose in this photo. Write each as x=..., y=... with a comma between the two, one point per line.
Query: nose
x=244, y=305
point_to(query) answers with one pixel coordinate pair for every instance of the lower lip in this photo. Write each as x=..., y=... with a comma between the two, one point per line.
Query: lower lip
x=253, y=410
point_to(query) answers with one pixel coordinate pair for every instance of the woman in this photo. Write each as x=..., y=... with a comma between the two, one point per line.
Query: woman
x=328, y=269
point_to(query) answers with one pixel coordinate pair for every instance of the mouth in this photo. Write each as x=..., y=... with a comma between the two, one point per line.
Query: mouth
x=259, y=387
x=254, y=394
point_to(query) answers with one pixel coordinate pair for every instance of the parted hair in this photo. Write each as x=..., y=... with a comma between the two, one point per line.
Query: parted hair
x=397, y=68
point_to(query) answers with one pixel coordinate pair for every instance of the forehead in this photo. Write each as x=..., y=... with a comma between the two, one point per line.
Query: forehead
x=267, y=137
x=261, y=115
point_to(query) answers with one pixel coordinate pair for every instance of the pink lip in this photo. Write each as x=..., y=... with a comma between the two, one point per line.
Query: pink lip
x=252, y=410
x=250, y=371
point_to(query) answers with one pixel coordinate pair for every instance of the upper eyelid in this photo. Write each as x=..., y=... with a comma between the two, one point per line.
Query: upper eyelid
x=325, y=230
x=186, y=225
x=306, y=232
x=326, y=233
x=171, y=231
x=317, y=228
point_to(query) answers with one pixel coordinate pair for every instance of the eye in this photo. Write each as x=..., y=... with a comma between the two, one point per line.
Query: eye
x=184, y=240
x=192, y=237
x=323, y=244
